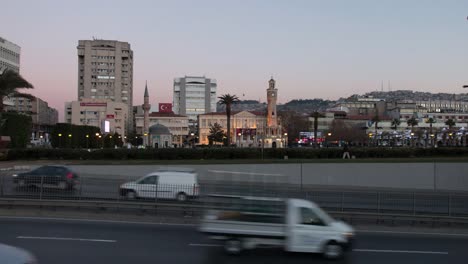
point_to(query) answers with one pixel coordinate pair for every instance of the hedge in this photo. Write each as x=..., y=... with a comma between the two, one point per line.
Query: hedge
x=228, y=153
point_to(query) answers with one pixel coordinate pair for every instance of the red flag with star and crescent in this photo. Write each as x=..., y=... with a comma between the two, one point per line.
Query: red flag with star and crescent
x=165, y=107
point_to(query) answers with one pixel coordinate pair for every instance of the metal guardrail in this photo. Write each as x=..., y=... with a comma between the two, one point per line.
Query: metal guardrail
x=357, y=204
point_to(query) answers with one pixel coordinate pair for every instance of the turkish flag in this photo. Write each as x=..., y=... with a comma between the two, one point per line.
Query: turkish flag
x=165, y=107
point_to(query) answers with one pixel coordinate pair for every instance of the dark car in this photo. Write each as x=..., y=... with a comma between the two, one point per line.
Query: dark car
x=47, y=176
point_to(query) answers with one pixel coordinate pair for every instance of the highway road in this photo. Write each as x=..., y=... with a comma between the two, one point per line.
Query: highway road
x=76, y=241
x=405, y=202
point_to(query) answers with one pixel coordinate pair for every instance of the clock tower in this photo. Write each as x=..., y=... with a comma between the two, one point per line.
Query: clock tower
x=272, y=94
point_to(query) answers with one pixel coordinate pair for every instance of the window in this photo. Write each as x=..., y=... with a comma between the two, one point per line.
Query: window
x=309, y=217
x=149, y=180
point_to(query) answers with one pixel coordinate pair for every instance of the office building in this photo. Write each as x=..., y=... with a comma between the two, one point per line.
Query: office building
x=194, y=96
x=105, y=72
x=43, y=117
x=9, y=56
x=110, y=117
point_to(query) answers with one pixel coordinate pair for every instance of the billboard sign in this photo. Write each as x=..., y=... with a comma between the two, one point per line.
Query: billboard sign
x=93, y=104
x=105, y=127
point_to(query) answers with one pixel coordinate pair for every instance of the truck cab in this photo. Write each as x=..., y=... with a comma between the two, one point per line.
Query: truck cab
x=310, y=229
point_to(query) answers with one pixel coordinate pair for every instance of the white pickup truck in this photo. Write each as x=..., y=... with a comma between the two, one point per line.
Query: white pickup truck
x=293, y=224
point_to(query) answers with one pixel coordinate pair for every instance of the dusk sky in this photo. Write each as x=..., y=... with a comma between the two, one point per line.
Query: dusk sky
x=314, y=49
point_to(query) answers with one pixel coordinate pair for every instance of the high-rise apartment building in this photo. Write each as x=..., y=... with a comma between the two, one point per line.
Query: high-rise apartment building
x=194, y=96
x=9, y=55
x=105, y=72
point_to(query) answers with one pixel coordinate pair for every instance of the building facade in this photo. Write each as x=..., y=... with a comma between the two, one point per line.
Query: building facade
x=111, y=117
x=177, y=125
x=248, y=128
x=105, y=72
x=43, y=117
x=10, y=54
x=194, y=96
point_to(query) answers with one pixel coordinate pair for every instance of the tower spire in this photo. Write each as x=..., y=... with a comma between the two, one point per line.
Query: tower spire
x=146, y=89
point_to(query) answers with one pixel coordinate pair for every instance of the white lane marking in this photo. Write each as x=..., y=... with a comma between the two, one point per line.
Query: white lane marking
x=410, y=233
x=93, y=220
x=68, y=239
x=401, y=251
x=204, y=245
x=356, y=250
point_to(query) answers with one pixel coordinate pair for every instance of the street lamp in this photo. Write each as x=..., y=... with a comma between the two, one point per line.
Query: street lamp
x=60, y=139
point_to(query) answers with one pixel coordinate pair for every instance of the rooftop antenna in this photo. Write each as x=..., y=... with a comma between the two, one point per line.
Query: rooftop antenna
x=389, y=85
x=381, y=86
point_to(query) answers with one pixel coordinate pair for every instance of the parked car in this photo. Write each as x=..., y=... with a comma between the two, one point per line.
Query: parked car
x=50, y=176
x=14, y=255
x=166, y=184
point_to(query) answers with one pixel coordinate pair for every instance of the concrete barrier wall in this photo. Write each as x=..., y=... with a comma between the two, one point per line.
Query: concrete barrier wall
x=424, y=176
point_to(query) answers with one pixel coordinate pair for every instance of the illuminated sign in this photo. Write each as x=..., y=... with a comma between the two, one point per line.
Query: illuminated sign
x=93, y=104
x=105, y=126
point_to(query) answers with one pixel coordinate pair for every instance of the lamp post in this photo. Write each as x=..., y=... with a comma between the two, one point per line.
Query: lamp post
x=285, y=139
x=370, y=137
x=70, y=140
x=87, y=141
x=412, y=140
x=60, y=140
x=239, y=135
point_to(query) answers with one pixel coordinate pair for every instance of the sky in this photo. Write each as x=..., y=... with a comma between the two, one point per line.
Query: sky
x=313, y=49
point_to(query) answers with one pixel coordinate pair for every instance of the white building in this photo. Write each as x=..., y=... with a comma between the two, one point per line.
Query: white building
x=194, y=96
x=177, y=125
x=110, y=117
x=9, y=55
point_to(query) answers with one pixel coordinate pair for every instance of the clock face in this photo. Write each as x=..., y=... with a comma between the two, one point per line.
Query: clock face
x=273, y=94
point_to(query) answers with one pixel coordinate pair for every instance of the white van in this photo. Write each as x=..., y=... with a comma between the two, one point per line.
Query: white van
x=293, y=224
x=163, y=184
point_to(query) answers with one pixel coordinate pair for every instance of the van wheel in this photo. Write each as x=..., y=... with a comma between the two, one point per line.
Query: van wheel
x=333, y=250
x=181, y=197
x=233, y=246
x=131, y=195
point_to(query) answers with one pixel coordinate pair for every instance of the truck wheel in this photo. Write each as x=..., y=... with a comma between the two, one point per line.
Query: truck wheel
x=233, y=246
x=333, y=250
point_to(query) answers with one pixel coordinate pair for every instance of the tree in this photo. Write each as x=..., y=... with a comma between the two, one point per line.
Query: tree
x=294, y=123
x=395, y=123
x=10, y=82
x=430, y=121
x=450, y=123
x=18, y=127
x=216, y=133
x=412, y=122
x=316, y=115
x=340, y=131
x=228, y=100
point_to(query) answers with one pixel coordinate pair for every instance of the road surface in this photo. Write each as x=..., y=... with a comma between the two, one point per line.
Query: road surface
x=74, y=241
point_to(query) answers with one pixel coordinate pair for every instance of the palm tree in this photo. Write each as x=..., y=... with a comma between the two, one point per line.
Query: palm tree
x=316, y=115
x=430, y=121
x=412, y=122
x=450, y=123
x=228, y=100
x=10, y=82
x=395, y=123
